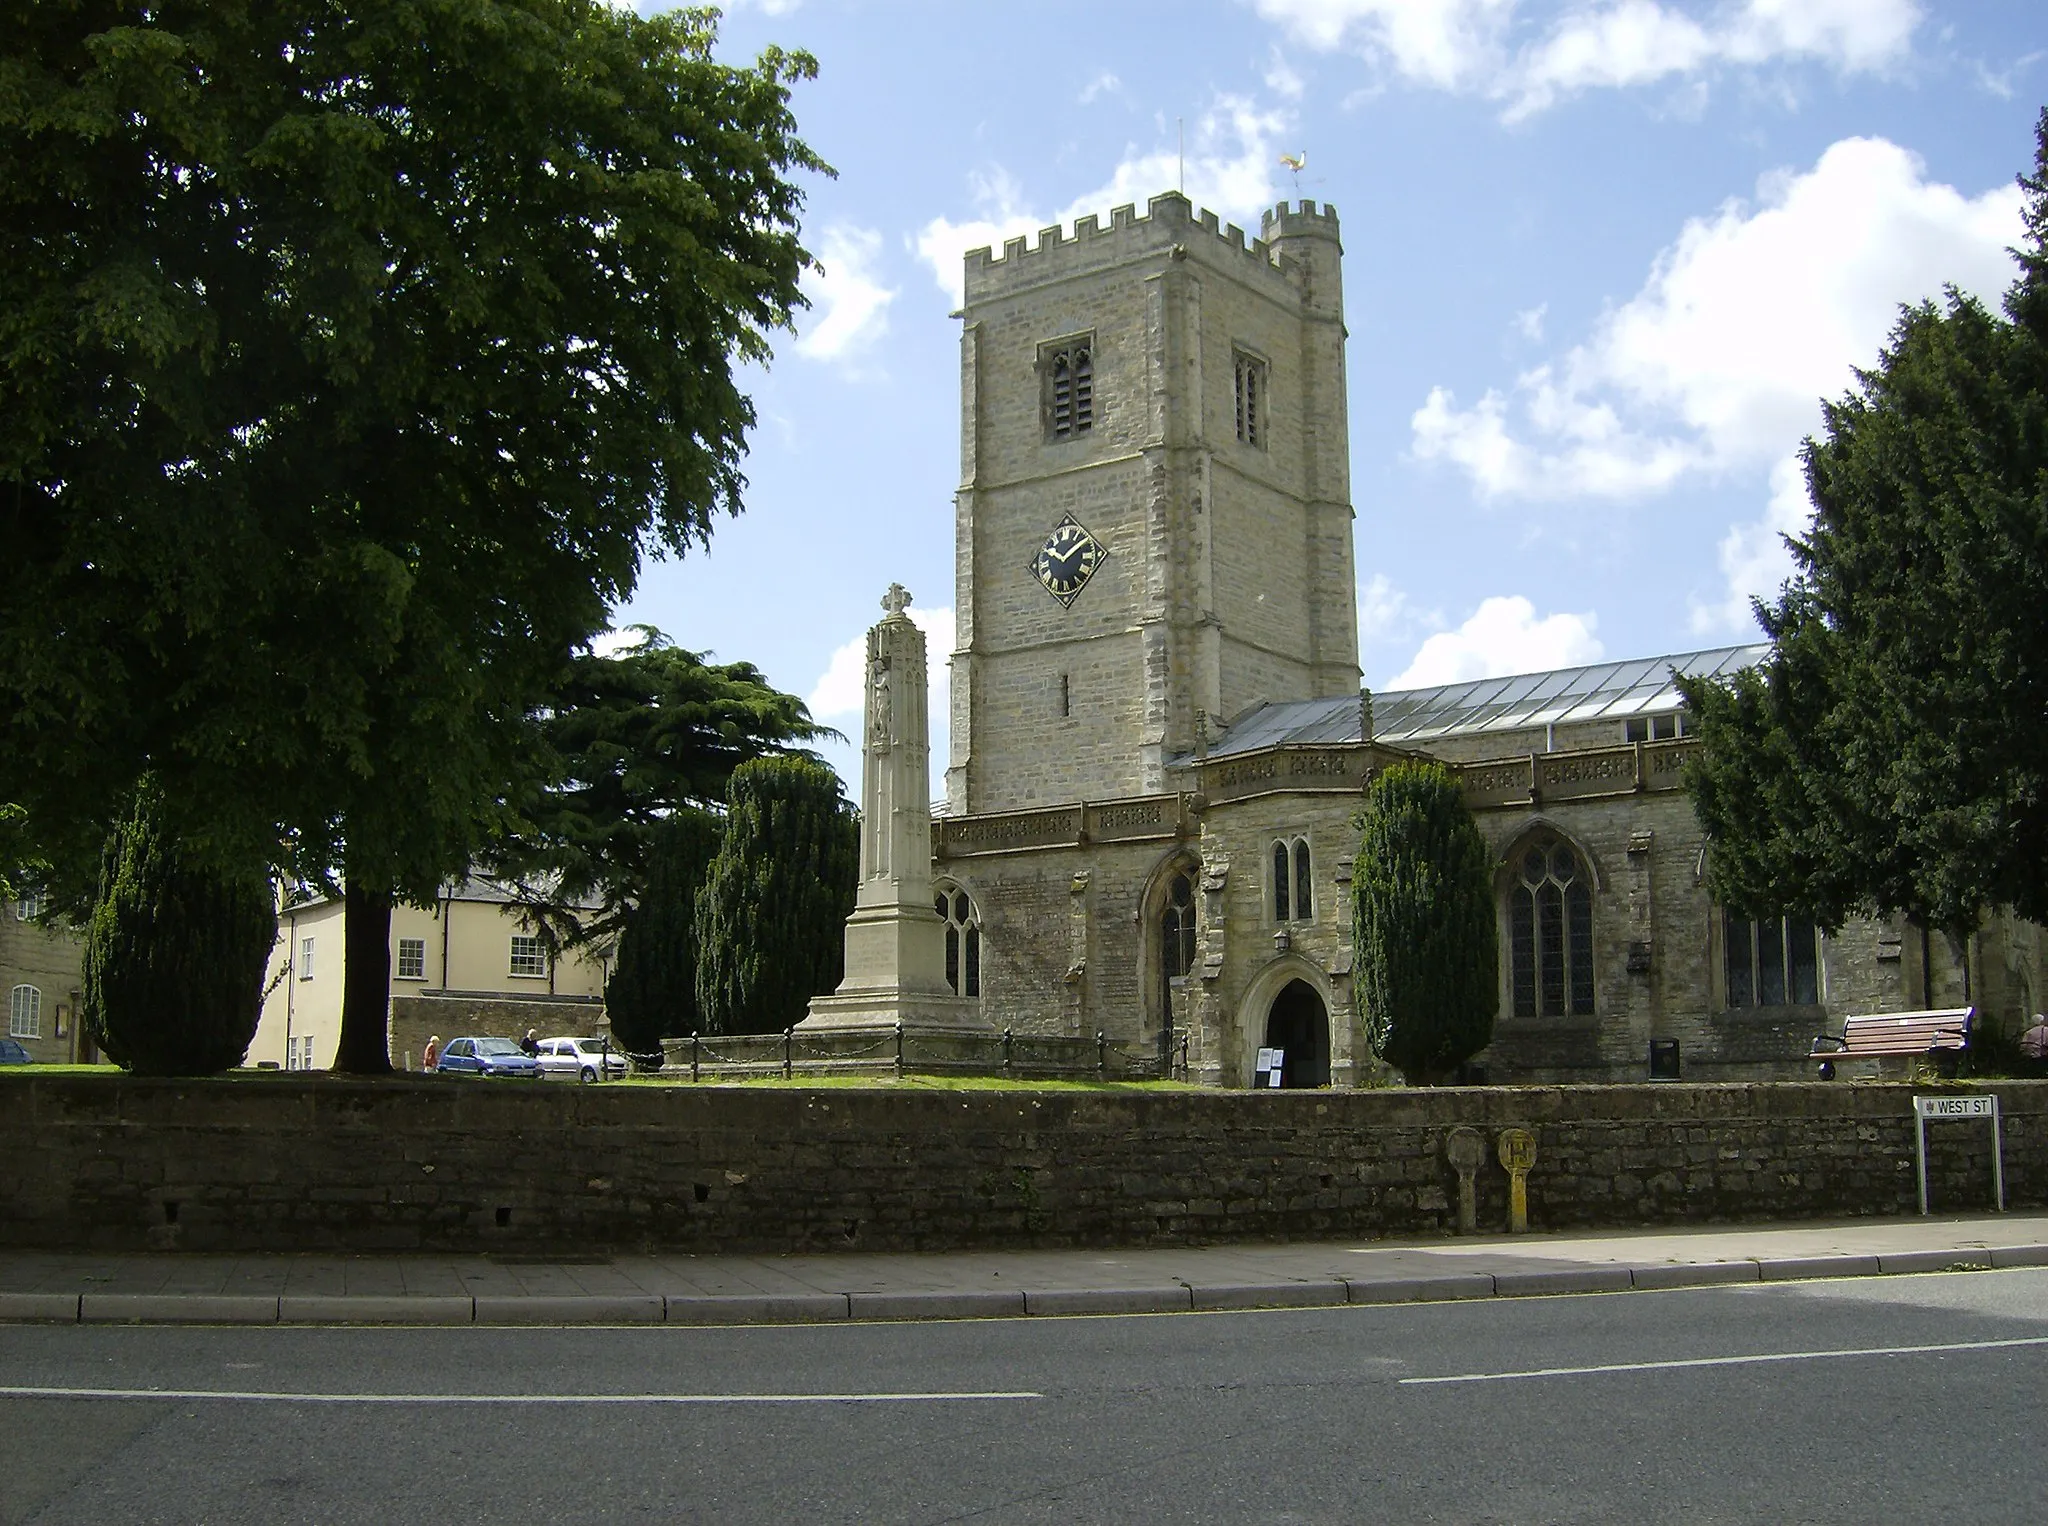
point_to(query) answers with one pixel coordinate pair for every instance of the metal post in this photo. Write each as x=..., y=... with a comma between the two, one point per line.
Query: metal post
x=1006, y=1051
x=1183, y=1057
x=1997, y=1156
x=788, y=1037
x=1920, y=1154
x=1101, y=1054
x=693, y=1057
x=899, y=1046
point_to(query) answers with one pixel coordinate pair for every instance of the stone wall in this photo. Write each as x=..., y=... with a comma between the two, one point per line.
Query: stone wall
x=289, y=1161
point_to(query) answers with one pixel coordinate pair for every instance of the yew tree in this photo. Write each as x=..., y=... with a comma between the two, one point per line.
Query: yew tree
x=351, y=360
x=1891, y=753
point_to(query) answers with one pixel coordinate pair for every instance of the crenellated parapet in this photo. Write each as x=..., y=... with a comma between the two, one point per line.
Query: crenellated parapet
x=1170, y=221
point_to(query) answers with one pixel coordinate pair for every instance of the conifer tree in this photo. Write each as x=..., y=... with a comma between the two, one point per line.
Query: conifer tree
x=1425, y=948
x=174, y=953
x=771, y=915
x=652, y=993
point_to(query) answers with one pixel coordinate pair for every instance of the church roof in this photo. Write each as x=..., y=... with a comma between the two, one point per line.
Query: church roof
x=1600, y=691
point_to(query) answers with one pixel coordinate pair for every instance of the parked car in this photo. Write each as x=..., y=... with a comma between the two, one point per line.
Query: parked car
x=487, y=1057
x=585, y=1059
x=13, y=1053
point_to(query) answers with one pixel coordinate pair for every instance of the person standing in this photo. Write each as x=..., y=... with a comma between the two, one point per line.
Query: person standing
x=431, y=1055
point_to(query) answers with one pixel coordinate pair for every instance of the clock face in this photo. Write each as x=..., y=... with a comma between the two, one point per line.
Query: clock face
x=1067, y=560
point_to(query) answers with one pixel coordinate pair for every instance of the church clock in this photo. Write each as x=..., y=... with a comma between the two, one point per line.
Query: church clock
x=1067, y=561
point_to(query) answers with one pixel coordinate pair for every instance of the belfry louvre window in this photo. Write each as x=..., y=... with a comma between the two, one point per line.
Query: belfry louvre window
x=1251, y=399
x=1772, y=962
x=1068, y=367
x=963, y=942
x=1550, y=933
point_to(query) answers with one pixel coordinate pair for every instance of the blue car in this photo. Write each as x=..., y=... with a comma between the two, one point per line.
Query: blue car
x=12, y=1053
x=487, y=1057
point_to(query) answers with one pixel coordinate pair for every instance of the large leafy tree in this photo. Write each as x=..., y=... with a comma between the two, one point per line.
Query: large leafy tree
x=174, y=952
x=351, y=357
x=772, y=914
x=1891, y=754
x=1425, y=957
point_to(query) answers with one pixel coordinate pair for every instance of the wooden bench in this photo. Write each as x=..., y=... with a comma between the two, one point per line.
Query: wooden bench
x=1893, y=1033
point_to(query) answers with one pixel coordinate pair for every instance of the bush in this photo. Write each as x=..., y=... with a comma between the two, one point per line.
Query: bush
x=772, y=914
x=1425, y=947
x=652, y=993
x=174, y=954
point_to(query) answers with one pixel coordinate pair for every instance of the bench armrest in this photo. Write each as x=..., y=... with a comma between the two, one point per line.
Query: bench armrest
x=1827, y=1038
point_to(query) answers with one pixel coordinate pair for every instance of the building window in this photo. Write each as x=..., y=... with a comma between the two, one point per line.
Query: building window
x=1068, y=367
x=1656, y=728
x=1177, y=926
x=28, y=908
x=25, y=1013
x=1773, y=962
x=963, y=942
x=1293, y=882
x=528, y=957
x=1251, y=400
x=1550, y=933
x=412, y=958
x=305, y=959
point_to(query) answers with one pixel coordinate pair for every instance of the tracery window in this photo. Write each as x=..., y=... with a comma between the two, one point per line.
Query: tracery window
x=1293, y=882
x=1550, y=932
x=1177, y=926
x=1772, y=962
x=963, y=942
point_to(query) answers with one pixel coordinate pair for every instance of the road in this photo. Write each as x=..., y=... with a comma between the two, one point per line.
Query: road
x=1871, y=1399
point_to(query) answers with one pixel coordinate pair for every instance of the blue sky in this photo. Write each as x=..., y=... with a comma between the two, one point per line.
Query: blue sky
x=1601, y=261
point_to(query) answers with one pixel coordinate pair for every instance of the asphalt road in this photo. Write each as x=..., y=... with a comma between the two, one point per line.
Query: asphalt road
x=1772, y=1403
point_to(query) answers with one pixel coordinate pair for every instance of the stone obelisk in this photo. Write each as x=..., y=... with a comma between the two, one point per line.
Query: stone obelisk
x=895, y=940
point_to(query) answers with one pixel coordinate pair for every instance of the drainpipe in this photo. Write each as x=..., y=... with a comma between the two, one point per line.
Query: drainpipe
x=291, y=983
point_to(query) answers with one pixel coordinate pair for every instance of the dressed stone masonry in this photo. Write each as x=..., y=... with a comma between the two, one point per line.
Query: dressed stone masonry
x=895, y=941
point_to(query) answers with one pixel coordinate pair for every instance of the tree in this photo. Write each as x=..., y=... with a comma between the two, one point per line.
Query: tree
x=635, y=738
x=355, y=356
x=1425, y=948
x=174, y=953
x=1891, y=753
x=772, y=913
x=652, y=993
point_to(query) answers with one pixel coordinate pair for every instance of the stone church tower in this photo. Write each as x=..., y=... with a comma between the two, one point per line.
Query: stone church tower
x=1154, y=517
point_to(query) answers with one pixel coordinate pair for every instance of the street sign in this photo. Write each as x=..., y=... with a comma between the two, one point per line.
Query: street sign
x=1944, y=1108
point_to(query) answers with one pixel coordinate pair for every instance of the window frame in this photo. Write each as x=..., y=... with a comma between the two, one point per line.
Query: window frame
x=405, y=946
x=1755, y=955
x=536, y=952
x=1290, y=868
x=964, y=950
x=25, y=1017
x=307, y=945
x=1552, y=963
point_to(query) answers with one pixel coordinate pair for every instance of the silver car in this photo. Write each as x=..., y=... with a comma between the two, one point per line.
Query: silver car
x=585, y=1059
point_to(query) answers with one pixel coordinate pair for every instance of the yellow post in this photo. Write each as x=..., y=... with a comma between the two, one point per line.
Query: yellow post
x=1517, y=1155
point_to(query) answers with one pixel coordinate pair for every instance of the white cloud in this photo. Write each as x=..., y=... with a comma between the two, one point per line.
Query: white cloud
x=1103, y=84
x=841, y=691
x=1382, y=608
x=1754, y=560
x=849, y=306
x=1497, y=49
x=1283, y=79
x=1530, y=324
x=1232, y=155
x=1503, y=636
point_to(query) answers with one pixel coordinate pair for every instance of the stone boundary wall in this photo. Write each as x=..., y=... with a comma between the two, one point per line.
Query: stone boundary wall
x=298, y=1162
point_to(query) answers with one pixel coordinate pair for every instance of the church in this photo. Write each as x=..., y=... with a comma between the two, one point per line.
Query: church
x=1160, y=739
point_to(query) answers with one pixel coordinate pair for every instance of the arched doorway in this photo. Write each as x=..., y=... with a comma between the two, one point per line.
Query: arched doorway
x=1298, y=1024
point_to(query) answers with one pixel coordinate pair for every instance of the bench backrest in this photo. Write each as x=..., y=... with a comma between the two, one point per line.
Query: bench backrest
x=1907, y=1032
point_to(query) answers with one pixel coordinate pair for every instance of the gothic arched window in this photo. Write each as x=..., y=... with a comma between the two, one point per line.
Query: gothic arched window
x=1550, y=932
x=1293, y=882
x=963, y=942
x=1177, y=926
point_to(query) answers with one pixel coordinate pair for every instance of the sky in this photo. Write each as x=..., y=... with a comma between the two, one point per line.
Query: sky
x=1602, y=262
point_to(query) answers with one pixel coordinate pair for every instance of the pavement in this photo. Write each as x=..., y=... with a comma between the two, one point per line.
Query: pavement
x=680, y=1289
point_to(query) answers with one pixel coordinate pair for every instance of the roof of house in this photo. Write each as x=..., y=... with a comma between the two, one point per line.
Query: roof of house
x=474, y=887
x=1599, y=691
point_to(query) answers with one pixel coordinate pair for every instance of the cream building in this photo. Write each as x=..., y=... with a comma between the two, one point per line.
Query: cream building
x=39, y=972
x=470, y=964
x=1159, y=740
